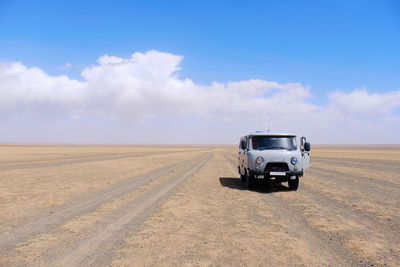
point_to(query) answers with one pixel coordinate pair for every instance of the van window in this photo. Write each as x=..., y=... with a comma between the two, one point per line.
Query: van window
x=274, y=142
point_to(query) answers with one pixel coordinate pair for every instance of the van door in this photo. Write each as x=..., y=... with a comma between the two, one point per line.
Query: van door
x=305, y=154
x=245, y=153
x=240, y=157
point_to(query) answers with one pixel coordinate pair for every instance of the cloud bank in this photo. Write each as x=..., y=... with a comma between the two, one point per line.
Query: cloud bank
x=145, y=88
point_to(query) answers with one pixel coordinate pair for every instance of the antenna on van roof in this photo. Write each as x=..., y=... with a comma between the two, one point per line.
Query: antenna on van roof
x=268, y=125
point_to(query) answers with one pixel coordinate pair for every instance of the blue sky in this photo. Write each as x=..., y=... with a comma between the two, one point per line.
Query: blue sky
x=327, y=45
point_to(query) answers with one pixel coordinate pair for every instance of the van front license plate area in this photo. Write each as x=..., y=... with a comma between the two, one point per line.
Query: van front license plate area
x=277, y=173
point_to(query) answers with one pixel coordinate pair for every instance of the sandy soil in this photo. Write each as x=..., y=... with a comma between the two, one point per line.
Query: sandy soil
x=146, y=206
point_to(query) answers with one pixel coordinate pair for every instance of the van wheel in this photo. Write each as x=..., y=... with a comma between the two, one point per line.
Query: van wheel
x=250, y=181
x=242, y=178
x=293, y=184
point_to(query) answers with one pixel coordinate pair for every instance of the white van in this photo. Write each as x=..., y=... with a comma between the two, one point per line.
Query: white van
x=272, y=156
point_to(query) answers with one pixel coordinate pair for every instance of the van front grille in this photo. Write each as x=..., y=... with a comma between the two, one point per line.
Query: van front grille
x=277, y=167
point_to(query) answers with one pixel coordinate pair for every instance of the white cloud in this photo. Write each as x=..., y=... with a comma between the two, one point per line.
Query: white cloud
x=361, y=102
x=146, y=86
x=30, y=91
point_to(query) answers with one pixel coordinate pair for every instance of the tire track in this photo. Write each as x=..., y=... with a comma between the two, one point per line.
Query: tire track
x=370, y=229
x=366, y=186
x=67, y=155
x=301, y=229
x=65, y=158
x=43, y=224
x=85, y=160
x=387, y=174
x=361, y=178
x=98, y=246
x=391, y=232
x=67, y=162
x=378, y=164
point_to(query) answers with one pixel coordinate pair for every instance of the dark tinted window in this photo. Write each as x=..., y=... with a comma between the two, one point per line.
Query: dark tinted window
x=274, y=142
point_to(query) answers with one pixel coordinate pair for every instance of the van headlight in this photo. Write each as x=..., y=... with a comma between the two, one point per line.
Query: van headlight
x=259, y=160
x=293, y=160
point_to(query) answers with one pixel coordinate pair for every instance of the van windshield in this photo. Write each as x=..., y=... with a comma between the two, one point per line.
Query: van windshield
x=274, y=142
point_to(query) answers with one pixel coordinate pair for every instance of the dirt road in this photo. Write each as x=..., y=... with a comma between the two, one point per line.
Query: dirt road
x=135, y=206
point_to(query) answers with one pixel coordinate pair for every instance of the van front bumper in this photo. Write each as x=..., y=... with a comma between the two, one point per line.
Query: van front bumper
x=268, y=174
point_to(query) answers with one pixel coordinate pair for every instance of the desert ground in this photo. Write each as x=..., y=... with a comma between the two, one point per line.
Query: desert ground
x=185, y=205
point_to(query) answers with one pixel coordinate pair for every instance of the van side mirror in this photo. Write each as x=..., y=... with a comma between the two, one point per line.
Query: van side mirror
x=307, y=146
x=243, y=144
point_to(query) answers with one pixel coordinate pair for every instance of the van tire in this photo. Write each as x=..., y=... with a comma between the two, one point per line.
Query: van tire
x=293, y=184
x=250, y=181
x=243, y=178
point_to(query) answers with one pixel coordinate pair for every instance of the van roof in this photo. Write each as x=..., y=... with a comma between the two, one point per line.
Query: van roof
x=263, y=133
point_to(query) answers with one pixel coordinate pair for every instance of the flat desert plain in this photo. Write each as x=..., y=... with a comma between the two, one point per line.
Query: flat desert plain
x=185, y=205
